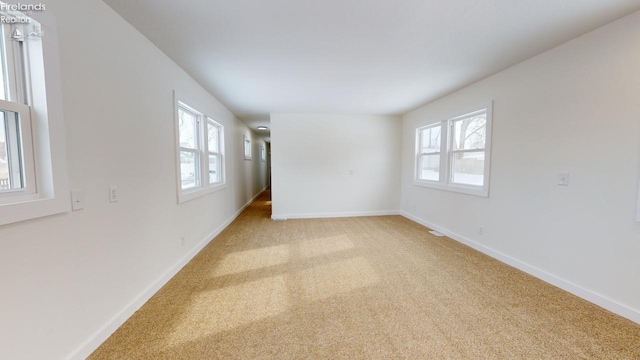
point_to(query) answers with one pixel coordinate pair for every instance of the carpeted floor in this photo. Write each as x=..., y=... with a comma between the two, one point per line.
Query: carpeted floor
x=360, y=288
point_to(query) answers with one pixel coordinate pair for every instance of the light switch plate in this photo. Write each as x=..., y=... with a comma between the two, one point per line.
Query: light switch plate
x=77, y=200
x=563, y=178
x=113, y=193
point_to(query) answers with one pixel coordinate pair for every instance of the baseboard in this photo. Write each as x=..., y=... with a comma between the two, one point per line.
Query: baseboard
x=593, y=297
x=95, y=340
x=335, y=215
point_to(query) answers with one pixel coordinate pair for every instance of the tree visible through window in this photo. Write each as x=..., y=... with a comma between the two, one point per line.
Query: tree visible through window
x=468, y=149
x=200, y=152
x=453, y=154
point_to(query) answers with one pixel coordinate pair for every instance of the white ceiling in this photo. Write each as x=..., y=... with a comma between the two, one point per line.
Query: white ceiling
x=354, y=56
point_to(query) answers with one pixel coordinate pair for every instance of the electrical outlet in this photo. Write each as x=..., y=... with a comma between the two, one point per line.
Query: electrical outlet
x=113, y=193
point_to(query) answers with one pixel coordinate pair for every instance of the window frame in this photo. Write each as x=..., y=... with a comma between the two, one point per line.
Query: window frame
x=201, y=151
x=421, y=154
x=42, y=93
x=247, y=147
x=217, y=152
x=447, y=153
x=15, y=60
x=20, y=150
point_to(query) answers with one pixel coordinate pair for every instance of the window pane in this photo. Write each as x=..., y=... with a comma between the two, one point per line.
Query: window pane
x=213, y=134
x=215, y=174
x=468, y=168
x=189, y=170
x=3, y=68
x=4, y=163
x=470, y=133
x=430, y=139
x=188, y=128
x=247, y=148
x=429, y=167
x=11, y=168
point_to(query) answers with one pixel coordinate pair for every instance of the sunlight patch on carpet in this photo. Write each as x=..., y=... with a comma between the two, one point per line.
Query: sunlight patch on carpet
x=324, y=246
x=254, y=259
x=336, y=278
x=227, y=308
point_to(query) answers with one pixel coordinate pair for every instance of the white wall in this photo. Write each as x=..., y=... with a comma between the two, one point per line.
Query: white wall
x=574, y=108
x=335, y=165
x=68, y=280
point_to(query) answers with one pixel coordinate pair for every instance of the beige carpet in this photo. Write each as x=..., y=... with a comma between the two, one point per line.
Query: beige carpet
x=360, y=288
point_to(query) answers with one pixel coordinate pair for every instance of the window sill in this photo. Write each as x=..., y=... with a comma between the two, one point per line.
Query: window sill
x=469, y=190
x=186, y=195
x=33, y=209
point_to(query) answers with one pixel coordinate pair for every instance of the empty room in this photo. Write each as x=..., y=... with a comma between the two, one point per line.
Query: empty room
x=329, y=179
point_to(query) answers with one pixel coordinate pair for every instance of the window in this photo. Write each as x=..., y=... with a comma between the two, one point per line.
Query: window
x=454, y=154
x=247, y=148
x=214, y=132
x=200, y=153
x=429, y=155
x=190, y=154
x=263, y=153
x=33, y=178
x=17, y=164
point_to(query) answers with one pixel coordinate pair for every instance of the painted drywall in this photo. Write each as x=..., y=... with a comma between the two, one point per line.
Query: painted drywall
x=251, y=175
x=334, y=165
x=574, y=108
x=67, y=280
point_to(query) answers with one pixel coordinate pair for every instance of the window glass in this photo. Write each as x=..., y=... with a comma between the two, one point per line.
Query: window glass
x=187, y=128
x=468, y=168
x=30, y=120
x=430, y=139
x=214, y=169
x=11, y=152
x=3, y=67
x=429, y=168
x=200, y=152
x=454, y=154
x=212, y=133
x=189, y=171
x=4, y=163
x=247, y=148
x=470, y=133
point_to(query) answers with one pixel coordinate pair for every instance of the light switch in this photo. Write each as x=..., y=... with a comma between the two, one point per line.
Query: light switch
x=113, y=193
x=77, y=200
x=563, y=178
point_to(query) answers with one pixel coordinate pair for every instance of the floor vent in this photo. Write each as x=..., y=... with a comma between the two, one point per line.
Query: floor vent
x=436, y=233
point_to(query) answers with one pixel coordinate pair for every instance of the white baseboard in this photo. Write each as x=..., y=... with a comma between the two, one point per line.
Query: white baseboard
x=593, y=297
x=335, y=215
x=102, y=334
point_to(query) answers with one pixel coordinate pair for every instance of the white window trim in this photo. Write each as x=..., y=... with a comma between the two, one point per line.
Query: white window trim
x=205, y=188
x=445, y=156
x=48, y=132
x=246, y=143
x=220, y=151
